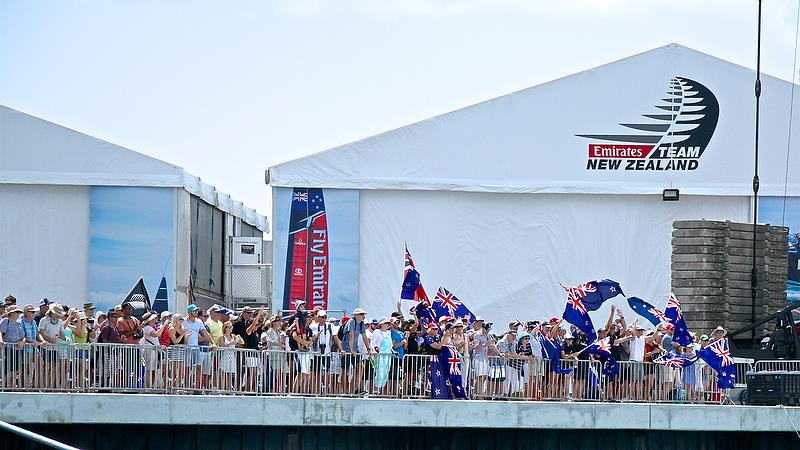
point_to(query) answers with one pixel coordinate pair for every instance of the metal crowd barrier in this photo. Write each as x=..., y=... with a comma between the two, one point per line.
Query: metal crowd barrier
x=225, y=371
x=741, y=372
x=776, y=365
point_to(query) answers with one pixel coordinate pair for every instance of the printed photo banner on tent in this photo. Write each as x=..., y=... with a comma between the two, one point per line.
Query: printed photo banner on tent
x=316, y=248
x=785, y=212
x=130, y=236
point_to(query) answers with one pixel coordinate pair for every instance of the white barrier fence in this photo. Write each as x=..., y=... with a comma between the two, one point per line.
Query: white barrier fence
x=777, y=365
x=195, y=370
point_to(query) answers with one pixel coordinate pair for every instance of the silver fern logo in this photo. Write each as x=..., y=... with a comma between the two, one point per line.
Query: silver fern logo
x=673, y=138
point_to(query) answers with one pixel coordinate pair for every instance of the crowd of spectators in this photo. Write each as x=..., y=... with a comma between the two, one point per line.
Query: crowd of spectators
x=52, y=346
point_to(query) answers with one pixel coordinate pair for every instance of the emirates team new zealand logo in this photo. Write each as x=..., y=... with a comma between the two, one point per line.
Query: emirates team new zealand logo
x=673, y=139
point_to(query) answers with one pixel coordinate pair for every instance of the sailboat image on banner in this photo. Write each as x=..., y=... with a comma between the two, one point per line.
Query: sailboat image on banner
x=161, y=302
x=138, y=298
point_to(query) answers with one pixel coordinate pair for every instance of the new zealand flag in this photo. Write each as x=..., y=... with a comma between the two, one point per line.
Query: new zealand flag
x=412, y=285
x=594, y=293
x=446, y=304
x=673, y=313
x=672, y=359
x=602, y=349
x=575, y=313
x=424, y=314
x=646, y=310
x=718, y=356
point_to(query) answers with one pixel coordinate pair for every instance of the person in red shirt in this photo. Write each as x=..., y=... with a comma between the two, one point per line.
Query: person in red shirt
x=652, y=349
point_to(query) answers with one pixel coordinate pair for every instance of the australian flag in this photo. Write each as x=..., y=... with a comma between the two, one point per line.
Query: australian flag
x=718, y=356
x=575, y=313
x=446, y=304
x=594, y=293
x=675, y=316
x=602, y=349
x=646, y=310
x=412, y=285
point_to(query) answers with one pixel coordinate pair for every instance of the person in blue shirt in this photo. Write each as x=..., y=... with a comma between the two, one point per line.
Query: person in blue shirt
x=399, y=343
x=12, y=339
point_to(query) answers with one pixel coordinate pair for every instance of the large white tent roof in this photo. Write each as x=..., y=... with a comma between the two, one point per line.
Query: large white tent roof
x=529, y=142
x=35, y=151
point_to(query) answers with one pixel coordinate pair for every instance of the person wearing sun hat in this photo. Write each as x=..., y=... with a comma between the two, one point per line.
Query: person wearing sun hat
x=88, y=310
x=150, y=341
x=52, y=328
x=352, y=330
x=381, y=352
x=51, y=325
x=717, y=334
x=32, y=335
x=12, y=339
x=11, y=331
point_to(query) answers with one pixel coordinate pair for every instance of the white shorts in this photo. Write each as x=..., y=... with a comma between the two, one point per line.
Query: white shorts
x=304, y=361
x=534, y=368
x=511, y=384
x=481, y=366
x=335, y=367
x=150, y=356
x=207, y=363
x=251, y=361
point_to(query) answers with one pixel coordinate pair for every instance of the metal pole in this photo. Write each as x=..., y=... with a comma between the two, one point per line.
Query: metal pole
x=35, y=437
x=753, y=273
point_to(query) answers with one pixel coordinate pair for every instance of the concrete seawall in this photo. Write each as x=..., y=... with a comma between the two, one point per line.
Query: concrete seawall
x=30, y=408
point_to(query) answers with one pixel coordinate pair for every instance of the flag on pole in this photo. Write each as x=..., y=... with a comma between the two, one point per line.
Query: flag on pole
x=718, y=356
x=593, y=293
x=674, y=360
x=675, y=315
x=412, y=285
x=602, y=348
x=575, y=313
x=446, y=304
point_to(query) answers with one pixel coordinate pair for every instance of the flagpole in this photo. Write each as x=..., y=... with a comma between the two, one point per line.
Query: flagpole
x=753, y=272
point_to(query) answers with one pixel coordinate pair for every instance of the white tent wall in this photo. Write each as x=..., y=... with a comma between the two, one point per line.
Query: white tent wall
x=504, y=254
x=44, y=243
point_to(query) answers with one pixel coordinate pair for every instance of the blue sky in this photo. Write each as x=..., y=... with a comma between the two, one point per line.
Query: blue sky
x=226, y=89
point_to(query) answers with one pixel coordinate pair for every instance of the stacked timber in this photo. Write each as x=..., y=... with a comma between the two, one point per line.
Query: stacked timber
x=711, y=272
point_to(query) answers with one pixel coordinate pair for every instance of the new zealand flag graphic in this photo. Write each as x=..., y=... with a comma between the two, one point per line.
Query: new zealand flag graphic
x=307, y=251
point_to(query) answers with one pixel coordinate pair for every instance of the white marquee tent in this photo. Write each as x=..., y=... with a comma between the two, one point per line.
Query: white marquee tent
x=503, y=200
x=47, y=173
